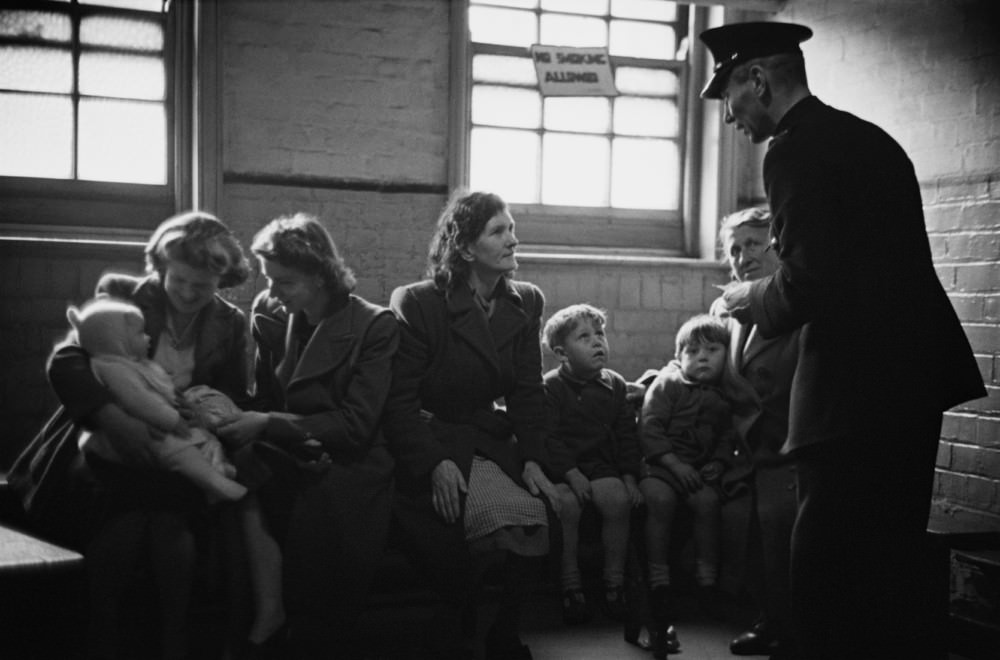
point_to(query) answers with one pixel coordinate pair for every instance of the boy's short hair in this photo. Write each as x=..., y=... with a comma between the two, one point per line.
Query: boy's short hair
x=702, y=329
x=560, y=324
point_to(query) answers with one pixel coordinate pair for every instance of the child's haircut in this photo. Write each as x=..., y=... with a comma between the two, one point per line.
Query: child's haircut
x=702, y=329
x=558, y=327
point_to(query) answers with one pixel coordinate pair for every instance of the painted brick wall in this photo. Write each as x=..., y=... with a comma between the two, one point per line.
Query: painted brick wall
x=927, y=72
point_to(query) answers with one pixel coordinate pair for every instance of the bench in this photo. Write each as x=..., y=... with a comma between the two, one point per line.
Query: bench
x=43, y=589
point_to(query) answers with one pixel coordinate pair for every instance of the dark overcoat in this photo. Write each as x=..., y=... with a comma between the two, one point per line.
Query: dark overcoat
x=882, y=338
x=454, y=362
x=324, y=394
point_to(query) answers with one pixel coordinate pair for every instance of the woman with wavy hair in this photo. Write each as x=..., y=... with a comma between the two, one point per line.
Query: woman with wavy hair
x=468, y=415
x=322, y=372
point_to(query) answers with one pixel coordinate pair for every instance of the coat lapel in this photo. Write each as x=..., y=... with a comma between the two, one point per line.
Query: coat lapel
x=328, y=347
x=508, y=316
x=471, y=325
x=754, y=347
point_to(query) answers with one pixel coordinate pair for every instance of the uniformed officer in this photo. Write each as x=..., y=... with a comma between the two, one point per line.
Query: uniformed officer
x=882, y=352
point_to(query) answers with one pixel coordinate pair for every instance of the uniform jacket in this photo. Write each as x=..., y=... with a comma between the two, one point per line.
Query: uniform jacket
x=333, y=389
x=882, y=339
x=454, y=362
x=593, y=426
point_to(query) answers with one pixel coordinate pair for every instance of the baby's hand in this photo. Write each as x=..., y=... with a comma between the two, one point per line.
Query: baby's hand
x=181, y=428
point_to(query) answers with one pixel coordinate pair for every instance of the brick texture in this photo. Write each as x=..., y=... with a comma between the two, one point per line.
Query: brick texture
x=925, y=71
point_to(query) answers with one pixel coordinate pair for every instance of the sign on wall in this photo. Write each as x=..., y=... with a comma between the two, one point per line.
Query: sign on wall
x=565, y=71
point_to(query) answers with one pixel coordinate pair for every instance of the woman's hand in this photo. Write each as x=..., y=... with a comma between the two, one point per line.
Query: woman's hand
x=537, y=482
x=688, y=476
x=242, y=429
x=580, y=485
x=447, y=485
x=632, y=488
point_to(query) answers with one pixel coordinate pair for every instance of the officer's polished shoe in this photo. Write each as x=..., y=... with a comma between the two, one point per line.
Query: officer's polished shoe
x=759, y=640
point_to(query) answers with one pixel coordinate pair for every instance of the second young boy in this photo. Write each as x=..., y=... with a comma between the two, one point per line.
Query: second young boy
x=593, y=452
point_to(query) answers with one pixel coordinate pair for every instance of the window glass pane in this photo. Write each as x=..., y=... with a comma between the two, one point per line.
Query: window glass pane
x=587, y=114
x=123, y=141
x=650, y=82
x=525, y=4
x=593, y=7
x=644, y=174
x=505, y=162
x=143, y=5
x=561, y=30
x=124, y=76
x=497, y=68
x=654, y=117
x=652, y=10
x=649, y=40
x=37, y=24
x=36, y=69
x=575, y=170
x=509, y=27
x=121, y=32
x=36, y=136
x=506, y=106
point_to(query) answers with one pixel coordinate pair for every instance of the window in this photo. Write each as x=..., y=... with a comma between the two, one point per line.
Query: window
x=88, y=103
x=583, y=170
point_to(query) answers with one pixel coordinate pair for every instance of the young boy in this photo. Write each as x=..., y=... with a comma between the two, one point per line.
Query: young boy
x=593, y=451
x=687, y=440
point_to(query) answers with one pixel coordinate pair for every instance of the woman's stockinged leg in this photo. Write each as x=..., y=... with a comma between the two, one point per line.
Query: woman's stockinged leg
x=173, y=556
x=265, y=564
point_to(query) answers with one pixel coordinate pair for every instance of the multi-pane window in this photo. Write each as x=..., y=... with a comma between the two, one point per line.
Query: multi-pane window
x=84, y=91
x=599, y=156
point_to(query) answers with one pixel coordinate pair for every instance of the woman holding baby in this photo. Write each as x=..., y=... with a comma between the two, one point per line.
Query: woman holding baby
x=148, y=514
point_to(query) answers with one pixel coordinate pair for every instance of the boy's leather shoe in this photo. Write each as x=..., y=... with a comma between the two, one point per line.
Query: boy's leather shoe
x=756, y=641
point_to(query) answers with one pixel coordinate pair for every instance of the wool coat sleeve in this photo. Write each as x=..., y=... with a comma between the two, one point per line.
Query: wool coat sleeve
x=411, y=440
x=626, y=431
x=526, y=404
x=561, y=456
x=342, y=408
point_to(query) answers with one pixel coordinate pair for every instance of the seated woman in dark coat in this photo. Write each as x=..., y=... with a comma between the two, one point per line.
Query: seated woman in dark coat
x=322, y=372
x=468, y=417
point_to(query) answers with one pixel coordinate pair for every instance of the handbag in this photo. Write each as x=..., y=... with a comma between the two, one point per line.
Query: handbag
x=56, y=489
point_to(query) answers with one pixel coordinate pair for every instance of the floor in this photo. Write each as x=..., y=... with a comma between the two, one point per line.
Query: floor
x=701, y=638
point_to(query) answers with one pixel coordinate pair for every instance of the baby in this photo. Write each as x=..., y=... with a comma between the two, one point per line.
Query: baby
x=113, y=333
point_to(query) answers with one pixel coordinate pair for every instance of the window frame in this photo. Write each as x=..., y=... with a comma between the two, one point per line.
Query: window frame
x=33, y=207
x=671, y=233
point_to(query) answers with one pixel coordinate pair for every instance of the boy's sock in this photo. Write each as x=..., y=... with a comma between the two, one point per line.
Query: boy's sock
x=659, y=575
x=705, y=573
x=613, y=577
x=571, y=579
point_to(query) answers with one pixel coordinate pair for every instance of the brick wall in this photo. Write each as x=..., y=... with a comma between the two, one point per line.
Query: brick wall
x=927, y=72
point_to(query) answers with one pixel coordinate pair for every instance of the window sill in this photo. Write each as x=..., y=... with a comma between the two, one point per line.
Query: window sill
x=564, y=254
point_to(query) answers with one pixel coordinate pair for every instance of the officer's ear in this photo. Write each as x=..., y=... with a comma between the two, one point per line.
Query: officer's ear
x=758, y=79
